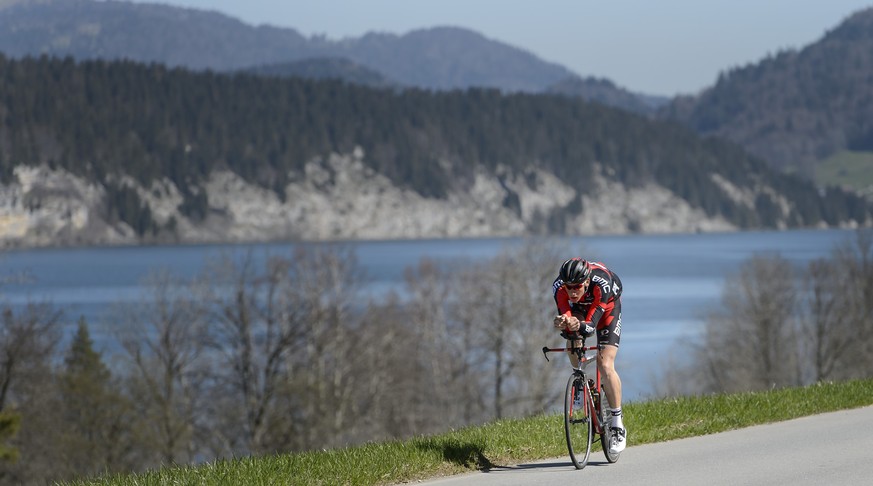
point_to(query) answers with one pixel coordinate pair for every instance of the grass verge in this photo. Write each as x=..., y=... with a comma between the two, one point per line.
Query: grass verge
x=505, y=442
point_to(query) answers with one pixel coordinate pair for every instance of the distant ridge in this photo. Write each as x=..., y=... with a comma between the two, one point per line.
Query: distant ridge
x=440, y=58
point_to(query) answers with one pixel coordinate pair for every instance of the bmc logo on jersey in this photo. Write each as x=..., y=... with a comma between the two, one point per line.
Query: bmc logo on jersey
x=600, y=281
x=605, y=284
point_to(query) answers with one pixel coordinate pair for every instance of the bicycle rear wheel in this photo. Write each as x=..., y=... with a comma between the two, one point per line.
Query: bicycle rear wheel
x=606, y=434
x=578, y=426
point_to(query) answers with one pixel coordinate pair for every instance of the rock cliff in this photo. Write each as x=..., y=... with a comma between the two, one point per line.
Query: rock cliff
x=336, y=198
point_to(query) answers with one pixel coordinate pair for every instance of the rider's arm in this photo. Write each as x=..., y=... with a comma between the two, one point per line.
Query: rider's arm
x=572, y=323
x=562, y=300
x=565, y=318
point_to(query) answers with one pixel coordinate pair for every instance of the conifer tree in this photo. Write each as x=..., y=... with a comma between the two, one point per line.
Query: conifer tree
x=96, y=414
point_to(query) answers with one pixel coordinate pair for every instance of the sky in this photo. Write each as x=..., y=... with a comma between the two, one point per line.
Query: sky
x=658, y=47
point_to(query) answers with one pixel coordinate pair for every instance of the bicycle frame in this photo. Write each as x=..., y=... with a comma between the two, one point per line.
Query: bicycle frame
x=584, y=361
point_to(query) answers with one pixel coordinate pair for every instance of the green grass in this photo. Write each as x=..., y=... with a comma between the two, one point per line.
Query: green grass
x=507, y=442
x=852, y=169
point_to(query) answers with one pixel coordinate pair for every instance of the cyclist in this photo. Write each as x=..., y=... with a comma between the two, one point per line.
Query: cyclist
x=587, y=309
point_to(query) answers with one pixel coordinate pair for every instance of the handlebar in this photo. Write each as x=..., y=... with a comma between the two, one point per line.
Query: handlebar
x=574, y=336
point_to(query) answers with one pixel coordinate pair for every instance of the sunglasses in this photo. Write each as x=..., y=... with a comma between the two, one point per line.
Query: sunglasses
x=574, y=286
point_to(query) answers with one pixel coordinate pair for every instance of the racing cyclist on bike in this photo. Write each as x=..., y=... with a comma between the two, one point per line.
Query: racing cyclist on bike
x=590, y=308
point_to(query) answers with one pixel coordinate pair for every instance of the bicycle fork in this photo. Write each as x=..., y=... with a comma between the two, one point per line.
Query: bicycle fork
x=579, y=391
x=590, y=403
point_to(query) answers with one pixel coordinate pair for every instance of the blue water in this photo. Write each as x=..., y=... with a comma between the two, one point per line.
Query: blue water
x=669, y=280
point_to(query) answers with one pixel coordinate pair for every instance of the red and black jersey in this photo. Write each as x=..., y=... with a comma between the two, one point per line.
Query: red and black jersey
x=598, y=301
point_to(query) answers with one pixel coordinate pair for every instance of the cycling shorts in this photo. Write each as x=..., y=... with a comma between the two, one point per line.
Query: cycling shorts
x=610, y=333
x=609, y=326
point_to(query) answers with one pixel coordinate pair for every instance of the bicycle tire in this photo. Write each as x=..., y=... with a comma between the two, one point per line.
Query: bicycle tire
x=605, y=435
x=578, y=426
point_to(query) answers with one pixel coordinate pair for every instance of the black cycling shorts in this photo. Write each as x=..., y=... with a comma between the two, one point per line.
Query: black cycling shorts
x=609, y=326
x=610, y=333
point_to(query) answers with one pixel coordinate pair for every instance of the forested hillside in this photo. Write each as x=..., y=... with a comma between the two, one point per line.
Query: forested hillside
x=795, y=108
x=105, y=121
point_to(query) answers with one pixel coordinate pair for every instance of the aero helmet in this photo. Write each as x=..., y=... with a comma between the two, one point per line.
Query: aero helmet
x=574, y=270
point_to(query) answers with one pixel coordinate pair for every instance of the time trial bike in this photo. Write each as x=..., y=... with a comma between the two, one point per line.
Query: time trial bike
x=581, y=423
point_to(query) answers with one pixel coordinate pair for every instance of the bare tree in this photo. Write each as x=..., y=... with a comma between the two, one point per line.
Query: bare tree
x=248, y=339
x=535, y=386
x=752, y=342
x=472, y=332
x=162, y=346
x=839, y=321
x=830, y=330
x=856, y=258
x=445, y=391
x=28, y=342
x=392, y=385
x=505, y=305
x=325, y=293
x=283, y=342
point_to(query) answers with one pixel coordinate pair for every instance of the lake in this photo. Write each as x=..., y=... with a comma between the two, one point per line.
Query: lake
x=669, y=280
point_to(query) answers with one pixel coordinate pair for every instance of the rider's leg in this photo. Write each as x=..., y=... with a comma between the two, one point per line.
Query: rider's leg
x=610, y=378
x=575, y=343
x=608, y=339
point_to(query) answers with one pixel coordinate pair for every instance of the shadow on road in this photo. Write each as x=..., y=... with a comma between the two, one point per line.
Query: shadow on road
x=471, y=454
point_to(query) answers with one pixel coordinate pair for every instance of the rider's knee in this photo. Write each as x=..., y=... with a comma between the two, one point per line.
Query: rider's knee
x=606, y=362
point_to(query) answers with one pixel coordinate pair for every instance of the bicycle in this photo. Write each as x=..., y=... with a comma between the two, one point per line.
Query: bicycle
x=581, y=425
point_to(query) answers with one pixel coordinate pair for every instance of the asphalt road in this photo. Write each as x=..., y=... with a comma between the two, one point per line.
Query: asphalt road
x=832, y=448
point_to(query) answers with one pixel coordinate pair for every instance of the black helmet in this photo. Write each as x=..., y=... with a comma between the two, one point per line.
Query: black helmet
x=574, y=270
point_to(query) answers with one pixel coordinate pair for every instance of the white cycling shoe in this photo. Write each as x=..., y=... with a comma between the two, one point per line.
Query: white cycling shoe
x=618, y=441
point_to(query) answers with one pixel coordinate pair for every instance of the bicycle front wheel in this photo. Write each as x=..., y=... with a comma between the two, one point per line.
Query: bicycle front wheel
x=578, y=426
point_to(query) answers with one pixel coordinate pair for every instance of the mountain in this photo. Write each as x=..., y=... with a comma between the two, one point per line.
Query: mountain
x=437, y=58
x=440, y=58
x=119, y=152
x=796, y=109
x=86, y=29
x=449, y=58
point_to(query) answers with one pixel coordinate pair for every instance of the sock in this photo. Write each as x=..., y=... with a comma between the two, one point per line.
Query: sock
x=616, y=418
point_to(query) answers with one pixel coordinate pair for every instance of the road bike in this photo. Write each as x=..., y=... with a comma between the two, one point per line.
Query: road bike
x=581, y=423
